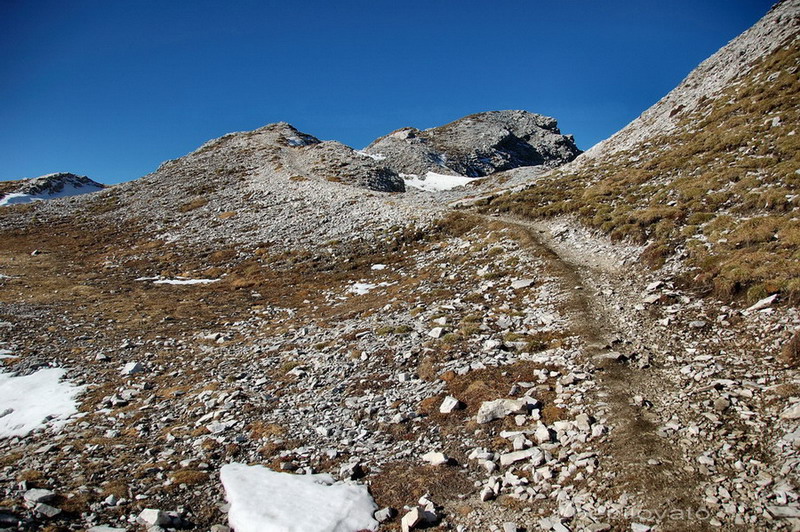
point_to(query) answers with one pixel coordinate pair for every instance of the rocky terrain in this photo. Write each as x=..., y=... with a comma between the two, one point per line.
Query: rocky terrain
x=610, y=345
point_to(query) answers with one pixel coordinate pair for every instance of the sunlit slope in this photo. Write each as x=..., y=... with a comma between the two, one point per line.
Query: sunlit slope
x=719, y=191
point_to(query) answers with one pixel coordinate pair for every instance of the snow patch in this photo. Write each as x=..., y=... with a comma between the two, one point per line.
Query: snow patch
x=5, y=353
x=41, y=399
x=179, y=280
x=364, y=288
x=263, y=500
x=69, y=189
x=378, y=267
x=433, y=182
x=185, y=281
x=374, y=156
x=296, y=141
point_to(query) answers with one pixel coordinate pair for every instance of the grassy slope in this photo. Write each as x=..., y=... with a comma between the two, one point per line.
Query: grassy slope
x=723, y=189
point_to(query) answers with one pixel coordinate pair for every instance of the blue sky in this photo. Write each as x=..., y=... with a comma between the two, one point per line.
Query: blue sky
x=112, y=88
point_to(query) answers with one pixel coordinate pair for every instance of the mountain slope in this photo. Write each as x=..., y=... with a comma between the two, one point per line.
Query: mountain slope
x=708, y=176
x=274, y=184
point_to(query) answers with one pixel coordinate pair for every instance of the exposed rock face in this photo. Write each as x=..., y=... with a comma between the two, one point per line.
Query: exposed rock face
x=334, y=161
x=477, y=145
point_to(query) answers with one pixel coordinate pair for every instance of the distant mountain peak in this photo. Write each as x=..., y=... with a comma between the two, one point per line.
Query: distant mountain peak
x=50, y=186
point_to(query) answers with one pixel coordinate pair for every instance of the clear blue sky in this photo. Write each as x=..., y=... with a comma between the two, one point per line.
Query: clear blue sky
x=112, y=88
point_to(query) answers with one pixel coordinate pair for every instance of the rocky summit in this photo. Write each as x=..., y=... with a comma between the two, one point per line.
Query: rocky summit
x=477, y=145
x=472, y=327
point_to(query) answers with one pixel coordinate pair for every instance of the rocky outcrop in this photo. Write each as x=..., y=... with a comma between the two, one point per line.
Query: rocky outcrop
x=477, y=145
x=333, y=161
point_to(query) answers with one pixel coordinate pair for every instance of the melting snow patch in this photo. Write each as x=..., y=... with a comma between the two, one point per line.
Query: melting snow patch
x=364, y=288
x=179, y=280
x=185, y=281
x=433, y=182
x=264, y=500
x=32, y=401
x=5, y=353
x=375, y=156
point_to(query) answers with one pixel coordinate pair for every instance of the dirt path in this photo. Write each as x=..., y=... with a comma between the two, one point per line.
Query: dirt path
x=644, y=465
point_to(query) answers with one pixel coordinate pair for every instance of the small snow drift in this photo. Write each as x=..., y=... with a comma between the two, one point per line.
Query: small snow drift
x=263, y=500
x=433, y=182
x=177, y=281
x=32, y=401
x=50, y=186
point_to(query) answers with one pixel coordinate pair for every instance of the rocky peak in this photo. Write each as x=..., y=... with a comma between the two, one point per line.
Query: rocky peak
x=477, y=145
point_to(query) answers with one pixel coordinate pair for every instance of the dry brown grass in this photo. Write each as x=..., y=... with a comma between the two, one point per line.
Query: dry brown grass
x=790, y=354
x=193, y=204
x=403, y=483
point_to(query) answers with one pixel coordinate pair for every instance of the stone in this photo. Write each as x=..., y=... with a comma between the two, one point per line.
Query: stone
x=46, y=510
x=104, y=528
x=784, y=512
x=131, y=368
x=522, y=283
x=411, y=519
x=639, y=527
x=220, y=528
x=721, y=404
x=583, y=422
x=435, y=458
x=385, y=514
x=437, y=332
x=35, y=496
x=535, y=455
x=153, y=517
x=509, y=527
x=697, y=324
x=653, y=286
x=351, y=471
x=449, y=404
x=500, y=408
x=793, y=412
x=542, y=435
x=762, y=303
